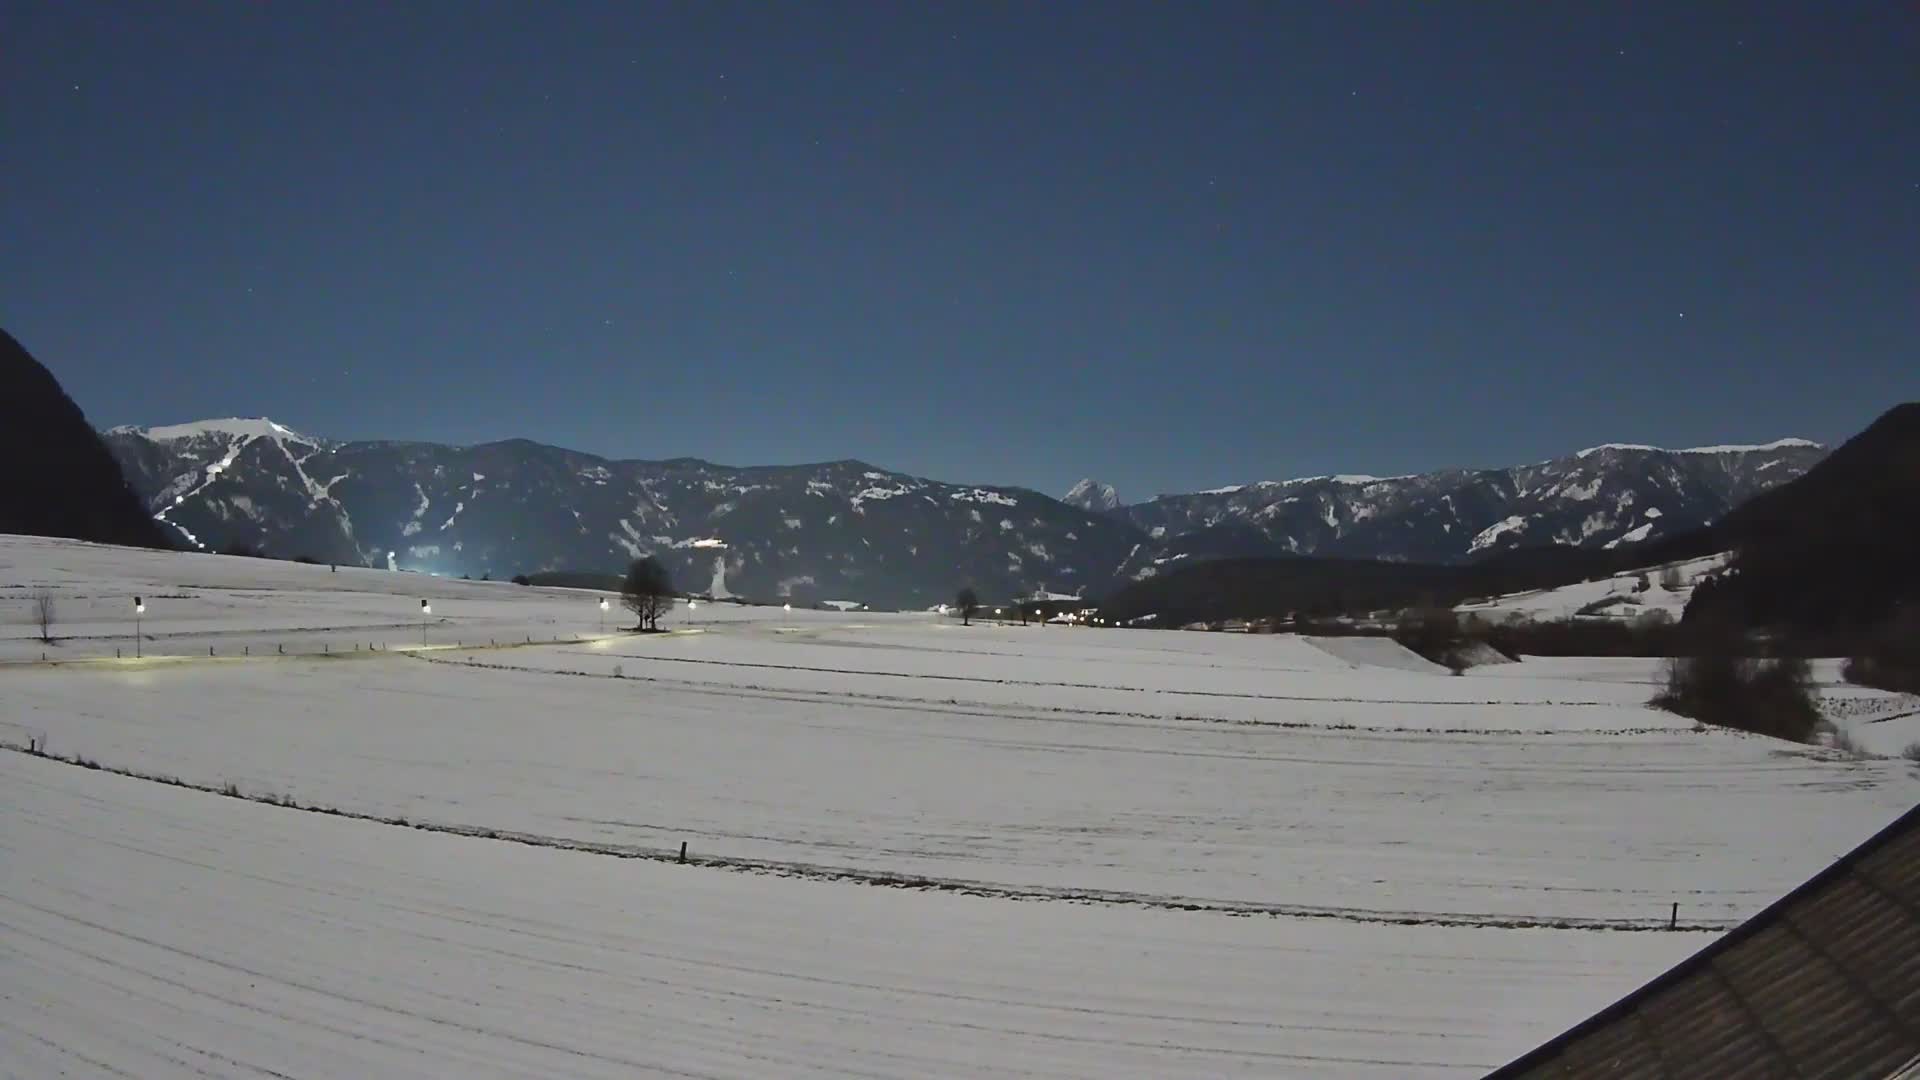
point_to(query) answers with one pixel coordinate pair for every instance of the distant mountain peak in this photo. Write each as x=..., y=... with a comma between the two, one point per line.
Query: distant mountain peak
x=1093, y=496
x=240, y=427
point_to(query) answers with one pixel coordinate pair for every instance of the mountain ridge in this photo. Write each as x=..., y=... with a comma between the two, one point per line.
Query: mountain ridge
x=69, y=484
x=847, y=529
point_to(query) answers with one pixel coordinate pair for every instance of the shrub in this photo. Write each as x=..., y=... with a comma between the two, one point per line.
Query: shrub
x=1842, y=740
x=1766, y=697
x=1912, y=752
x=44, y=615
x=1640, y=584
x=521, y=579
x=1600, y=606
x=1435, y=633
x=1889, y=658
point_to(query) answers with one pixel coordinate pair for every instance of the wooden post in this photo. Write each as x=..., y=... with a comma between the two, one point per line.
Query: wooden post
x=246, y=650
x=1673, y=920
x=683, y=851
x=282, y=648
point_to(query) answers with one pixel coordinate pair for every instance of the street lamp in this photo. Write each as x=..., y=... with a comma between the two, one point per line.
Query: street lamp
x=603, y=615
x=426, y=609
x=139, y=609
x=692, y=605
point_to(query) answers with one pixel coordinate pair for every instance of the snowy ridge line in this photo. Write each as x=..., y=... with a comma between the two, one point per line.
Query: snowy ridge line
x=955, y=706
x=890, y=879
x=1105, y=686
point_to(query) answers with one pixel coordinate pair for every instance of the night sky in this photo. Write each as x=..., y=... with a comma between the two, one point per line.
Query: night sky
x=1172, y=246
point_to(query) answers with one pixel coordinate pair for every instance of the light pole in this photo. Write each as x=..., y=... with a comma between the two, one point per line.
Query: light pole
x=603, y=616
x=426, y=609
x=139, y=609
x=692, y=605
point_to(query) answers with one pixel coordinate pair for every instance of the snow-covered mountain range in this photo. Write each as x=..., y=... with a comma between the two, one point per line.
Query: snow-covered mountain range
x=1603, y=496
x=848, y=530
x=831, y=531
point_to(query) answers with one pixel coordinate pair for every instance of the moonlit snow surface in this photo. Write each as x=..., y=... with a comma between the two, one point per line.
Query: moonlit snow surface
x=918, y=849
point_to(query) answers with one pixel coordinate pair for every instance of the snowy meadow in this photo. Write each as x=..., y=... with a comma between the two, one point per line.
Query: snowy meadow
x=912, y=848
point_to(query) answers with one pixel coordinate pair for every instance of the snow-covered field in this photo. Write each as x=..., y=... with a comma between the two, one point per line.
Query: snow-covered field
x=1620, y=594
x=1445, y=870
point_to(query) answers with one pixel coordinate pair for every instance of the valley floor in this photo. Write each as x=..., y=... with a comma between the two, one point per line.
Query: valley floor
x=1114, y=852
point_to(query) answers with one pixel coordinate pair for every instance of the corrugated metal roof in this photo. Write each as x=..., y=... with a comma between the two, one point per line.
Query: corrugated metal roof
x=1824, y=983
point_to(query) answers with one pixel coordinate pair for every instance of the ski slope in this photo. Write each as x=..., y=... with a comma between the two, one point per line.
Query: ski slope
x=1442, y=871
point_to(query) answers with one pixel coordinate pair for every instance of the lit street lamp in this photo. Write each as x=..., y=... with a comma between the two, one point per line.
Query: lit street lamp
x=139, y=609
x=692, y=605
x=603, y=615
x=426, y=609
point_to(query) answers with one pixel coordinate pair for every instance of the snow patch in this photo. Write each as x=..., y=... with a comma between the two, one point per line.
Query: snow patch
x=1632, y=536
x=1490, y=535
x=982, y=495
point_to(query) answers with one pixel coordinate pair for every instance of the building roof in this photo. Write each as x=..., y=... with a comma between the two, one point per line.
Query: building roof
x=1824, y=983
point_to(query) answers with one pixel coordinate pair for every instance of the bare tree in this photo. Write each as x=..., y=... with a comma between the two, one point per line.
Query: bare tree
x=968, y=602
x=647, y=592
x=43, y=615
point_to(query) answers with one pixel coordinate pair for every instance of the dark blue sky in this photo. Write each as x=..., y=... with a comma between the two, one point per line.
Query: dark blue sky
x=1172, y=246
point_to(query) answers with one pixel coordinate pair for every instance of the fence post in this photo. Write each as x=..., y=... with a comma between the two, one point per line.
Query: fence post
x=683, y=851
x=1673, y=920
